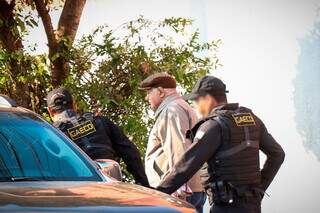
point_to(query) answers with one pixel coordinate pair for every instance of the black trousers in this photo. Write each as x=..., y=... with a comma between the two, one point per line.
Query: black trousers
x=197, y=199
x=238, y=207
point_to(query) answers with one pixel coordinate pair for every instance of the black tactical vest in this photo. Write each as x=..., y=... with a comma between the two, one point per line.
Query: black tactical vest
x=89, y=133
x=237, y=159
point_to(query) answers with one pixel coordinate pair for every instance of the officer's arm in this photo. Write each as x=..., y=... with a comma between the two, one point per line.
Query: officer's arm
x=205, y=144
x=275, y=157
x=128, y=152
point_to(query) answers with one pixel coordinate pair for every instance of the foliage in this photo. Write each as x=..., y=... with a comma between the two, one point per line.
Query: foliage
x=16, y=16
x=36, y=76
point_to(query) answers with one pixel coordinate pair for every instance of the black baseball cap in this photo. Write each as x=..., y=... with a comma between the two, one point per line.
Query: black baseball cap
x=59, y=98
x=207, y=85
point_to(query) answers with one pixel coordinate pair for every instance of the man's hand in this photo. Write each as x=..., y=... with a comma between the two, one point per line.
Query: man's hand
x=183, y=192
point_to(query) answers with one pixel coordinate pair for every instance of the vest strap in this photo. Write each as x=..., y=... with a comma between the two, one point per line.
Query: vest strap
x=234, y=150
x=238, y=148
x=224, y=128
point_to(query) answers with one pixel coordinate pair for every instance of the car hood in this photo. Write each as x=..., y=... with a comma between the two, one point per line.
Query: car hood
x=86, y=197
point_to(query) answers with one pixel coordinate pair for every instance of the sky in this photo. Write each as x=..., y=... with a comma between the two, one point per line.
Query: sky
x=259, y=55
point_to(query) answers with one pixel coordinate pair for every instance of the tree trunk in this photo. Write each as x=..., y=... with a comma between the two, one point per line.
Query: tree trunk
x=12, y=43
x=70, y=18
x=67, y=29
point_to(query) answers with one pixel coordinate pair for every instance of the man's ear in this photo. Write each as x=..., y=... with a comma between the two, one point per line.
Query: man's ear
x=51, y=112
x=213, y=101
x=161, y=92
x=74, y=106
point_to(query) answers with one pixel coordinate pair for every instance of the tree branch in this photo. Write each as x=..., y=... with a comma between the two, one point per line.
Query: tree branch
x=70, y=18
x=67, y=28
x=13, y=3
x=47, y=23
x=11, y=41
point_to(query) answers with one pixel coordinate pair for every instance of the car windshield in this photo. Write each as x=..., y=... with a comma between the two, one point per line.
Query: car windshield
x=31, y=149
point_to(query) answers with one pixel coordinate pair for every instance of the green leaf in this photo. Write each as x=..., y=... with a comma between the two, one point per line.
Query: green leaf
x=55, y=56
x=35, y=24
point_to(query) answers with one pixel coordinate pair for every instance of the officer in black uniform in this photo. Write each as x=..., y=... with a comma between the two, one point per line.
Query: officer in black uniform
x=226, y=145
x=97, y=136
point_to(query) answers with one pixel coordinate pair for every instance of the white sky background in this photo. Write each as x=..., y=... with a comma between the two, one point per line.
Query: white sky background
x=259, y=56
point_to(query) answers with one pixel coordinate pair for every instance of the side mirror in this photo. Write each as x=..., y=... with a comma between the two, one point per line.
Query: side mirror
x=109, y=168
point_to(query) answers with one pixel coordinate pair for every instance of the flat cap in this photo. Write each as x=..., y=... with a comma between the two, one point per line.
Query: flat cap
x=162, y=79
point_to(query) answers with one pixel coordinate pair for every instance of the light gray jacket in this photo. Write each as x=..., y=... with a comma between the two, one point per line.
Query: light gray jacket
x=167, y=141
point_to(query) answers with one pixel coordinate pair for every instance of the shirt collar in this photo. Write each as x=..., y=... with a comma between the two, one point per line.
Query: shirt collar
x=231, y=106
x=165, y=103
x=65, y=115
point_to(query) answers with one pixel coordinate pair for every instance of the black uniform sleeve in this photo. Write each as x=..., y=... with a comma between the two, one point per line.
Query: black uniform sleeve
x=275, y=157
x=206, y=142
x=129, y=153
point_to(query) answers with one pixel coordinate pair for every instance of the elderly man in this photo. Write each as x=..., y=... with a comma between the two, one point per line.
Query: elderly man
x=167, y=140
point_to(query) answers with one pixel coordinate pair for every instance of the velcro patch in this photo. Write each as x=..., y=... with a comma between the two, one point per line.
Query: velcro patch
x=199, y=134
x=81, y=130
x=244, y=119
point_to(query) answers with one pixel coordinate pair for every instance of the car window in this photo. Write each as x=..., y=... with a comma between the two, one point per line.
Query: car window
x=30, y=147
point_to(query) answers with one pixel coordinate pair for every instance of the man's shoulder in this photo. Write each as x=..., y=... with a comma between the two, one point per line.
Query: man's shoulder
x=88, y=115
x=171, y=109
x=203, y=125
x=207, y=124
x=257, y=119
x=104, y=119
x=179, y=105
x=97, y=119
